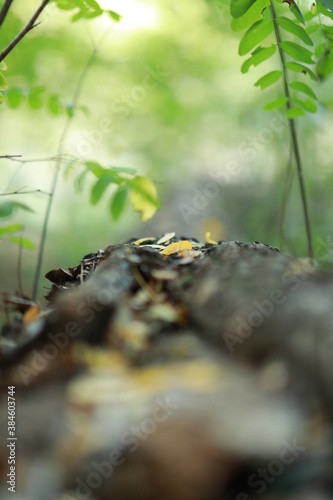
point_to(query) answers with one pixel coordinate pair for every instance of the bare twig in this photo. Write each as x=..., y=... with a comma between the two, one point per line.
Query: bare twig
x=19, y=266
x=4, y=11
x=28, y=27
x=59, y=155
x=46, y=159
x=31, y=191
x=9, y=157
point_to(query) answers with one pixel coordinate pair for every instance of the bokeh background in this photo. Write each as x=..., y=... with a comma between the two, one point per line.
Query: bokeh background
x=164, y=95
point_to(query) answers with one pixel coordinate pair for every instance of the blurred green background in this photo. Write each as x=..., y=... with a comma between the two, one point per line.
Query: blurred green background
x=165, y=95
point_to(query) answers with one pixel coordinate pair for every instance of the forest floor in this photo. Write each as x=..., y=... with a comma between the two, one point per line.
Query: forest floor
x=165, y=368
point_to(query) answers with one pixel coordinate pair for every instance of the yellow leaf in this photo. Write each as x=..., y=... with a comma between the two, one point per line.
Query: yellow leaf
x=177, y=247
x=144, y=240
x=209, y=240
x=143, y=197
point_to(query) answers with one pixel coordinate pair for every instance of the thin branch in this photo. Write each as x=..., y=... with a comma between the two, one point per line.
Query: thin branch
x=19, y=191
x=19, y=266
x=4, y=11
x=294, y=139
x=59, y=155
x=9, y=157
x=28, y=27
x=46, y=159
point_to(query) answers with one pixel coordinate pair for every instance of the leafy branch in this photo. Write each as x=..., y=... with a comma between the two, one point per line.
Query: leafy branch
x=260, y=19
x=57, y=167
x=140, y=190
x=292, y=128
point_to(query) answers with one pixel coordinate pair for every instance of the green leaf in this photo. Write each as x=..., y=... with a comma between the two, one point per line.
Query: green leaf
x=297, y=52
x=325, y=66
x=254, y=35
x=3, y=82
x=1, y=98
x=12, y=228
x=312, y=28
x=93, y=4
x=320, y=9
x=269, y=79
x=259, y=55
x=54, y=105
x=297, y=13
x=79, y=181
x=23, y=242
x=118, y=202
x=3, y=66
x=14, y=97
x=35, y=97
x=295, y=29
x=239, y=7
x=303, y=87
x=95, y=168
x=320, y=49
x=299, y=68
x=143, y=197
x=125, y=170
x=101, y=185
x=309, y=105
x=78, y=16
x=114, y=16
x=294, y=112
x=276, y=104
x=252, y=15
x=66, y=4
x=8, y=207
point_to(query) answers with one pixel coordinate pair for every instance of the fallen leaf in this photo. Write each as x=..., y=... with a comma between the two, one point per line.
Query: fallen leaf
x=177, y=247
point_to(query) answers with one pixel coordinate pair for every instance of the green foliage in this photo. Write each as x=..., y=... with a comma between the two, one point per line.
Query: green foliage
x=267, y=80
x=293, y=57
x=300, y=68
x=7, y=209
x=296, y=57
x=141, y=190
x=85, y=9
x=254, y=35
x=290, y=26
x=11, y=228
x=259, y=55
x=22, y=242
x=253, y=14
x=239, y=7
x=278, y=103
x=297, y=52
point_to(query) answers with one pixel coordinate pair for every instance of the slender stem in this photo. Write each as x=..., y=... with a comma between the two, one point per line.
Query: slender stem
x=19, y=266
x=294, y=139
x=9, y=157
x=4, y=11
x=75, y=98
x=31, y=191
x=28, y=27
